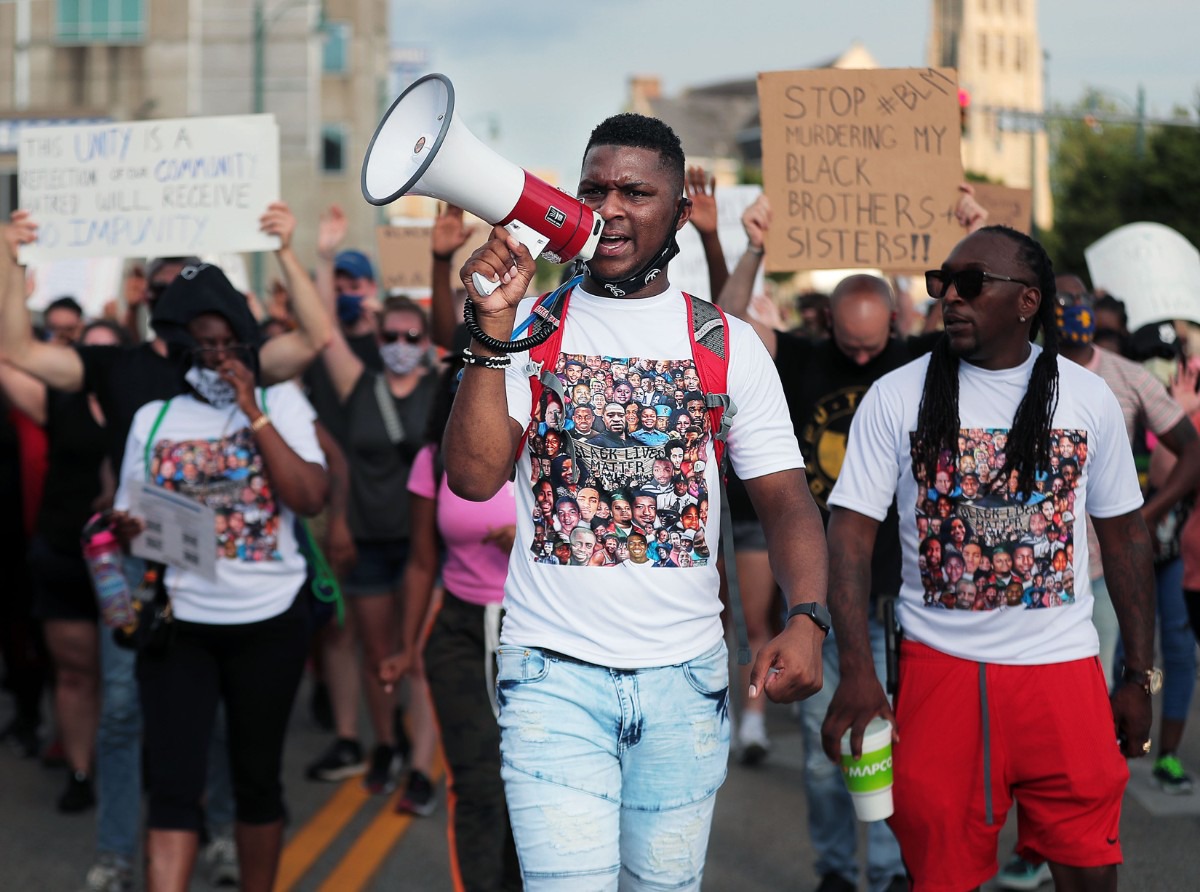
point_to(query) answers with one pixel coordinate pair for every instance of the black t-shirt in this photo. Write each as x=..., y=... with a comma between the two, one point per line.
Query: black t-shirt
x=124, y=379
x=77, y=446
x=379, y=469
x=823, y=387
x=319, y=387
x=12, y=526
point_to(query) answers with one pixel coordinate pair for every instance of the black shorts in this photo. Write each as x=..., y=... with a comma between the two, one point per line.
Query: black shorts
x=62, y=588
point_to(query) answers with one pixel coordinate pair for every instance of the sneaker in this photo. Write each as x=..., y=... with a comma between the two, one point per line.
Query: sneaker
x=753, y=745
x=221, y=863
x=78, y=795
x=835, y=882
x=1170, y=776
x=420, y=797
x=1020, y=874
x=385, y=765
x=110, y=873
x=343, y=759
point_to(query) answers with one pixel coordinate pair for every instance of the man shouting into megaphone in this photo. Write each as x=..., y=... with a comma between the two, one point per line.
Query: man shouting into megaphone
x=613, y=676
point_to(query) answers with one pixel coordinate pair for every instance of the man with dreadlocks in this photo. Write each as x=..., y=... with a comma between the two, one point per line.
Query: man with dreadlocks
x=1006, y=700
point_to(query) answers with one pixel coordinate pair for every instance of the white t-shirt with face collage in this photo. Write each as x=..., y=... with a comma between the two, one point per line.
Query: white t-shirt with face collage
x=642, y=589
x=210, y=455
x=990, y=574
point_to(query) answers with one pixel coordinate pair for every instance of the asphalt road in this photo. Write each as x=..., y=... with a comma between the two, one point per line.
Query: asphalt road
x=341, y=839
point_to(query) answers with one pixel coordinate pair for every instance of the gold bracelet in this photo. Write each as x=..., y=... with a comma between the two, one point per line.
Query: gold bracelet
x=260, y=422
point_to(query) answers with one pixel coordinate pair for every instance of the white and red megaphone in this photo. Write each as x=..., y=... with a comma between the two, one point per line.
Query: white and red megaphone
x=420, y=148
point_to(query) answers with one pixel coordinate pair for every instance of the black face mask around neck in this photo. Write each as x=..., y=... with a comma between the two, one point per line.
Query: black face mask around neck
x=649, y=272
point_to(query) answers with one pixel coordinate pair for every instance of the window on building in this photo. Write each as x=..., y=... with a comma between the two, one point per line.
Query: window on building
x=983, y=51
x=333, y=148
x=1019, y=54
x=100, y=21
x=1000, y=51
x=335, y=55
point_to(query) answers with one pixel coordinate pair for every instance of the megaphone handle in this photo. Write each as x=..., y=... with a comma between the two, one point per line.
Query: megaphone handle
x=482, y=285
x=527, y=236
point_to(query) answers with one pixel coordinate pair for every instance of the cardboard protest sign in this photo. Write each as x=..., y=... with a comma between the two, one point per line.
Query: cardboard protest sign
x=1005, y=205
x=689, y=269
x=860, y=167
x=1152, y=268
x=406, y=256
x=149, y=188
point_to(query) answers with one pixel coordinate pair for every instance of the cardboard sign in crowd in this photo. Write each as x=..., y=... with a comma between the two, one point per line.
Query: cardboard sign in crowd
x=861, y=167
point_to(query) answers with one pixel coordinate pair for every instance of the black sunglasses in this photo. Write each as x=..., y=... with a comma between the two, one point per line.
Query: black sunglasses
x=967, y=282
x=412, y=336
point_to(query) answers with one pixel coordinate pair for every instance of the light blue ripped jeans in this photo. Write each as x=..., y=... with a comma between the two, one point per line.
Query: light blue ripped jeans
x=611, y=775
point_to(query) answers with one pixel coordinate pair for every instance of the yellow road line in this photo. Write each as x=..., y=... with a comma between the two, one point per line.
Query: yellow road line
x=367, y=854
x=321, y=829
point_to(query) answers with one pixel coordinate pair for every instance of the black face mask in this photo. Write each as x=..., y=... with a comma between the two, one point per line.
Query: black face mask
x=649, y=272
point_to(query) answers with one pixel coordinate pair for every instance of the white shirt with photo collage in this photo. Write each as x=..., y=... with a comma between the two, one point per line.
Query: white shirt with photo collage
x=991, y=574
x=209, y=454
x=603, y=569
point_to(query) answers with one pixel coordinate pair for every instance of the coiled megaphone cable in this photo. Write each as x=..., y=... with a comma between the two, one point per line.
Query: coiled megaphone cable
x=540, y=324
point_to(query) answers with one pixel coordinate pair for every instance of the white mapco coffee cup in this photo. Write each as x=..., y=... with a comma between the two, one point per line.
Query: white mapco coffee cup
x=869, y=779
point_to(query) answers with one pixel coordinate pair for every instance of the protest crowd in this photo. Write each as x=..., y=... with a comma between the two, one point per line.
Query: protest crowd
x=455, y=555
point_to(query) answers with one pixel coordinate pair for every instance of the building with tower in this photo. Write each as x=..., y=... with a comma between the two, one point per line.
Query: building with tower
x=994, y=46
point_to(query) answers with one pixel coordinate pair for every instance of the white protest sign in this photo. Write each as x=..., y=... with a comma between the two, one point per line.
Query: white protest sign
x=1152, y=268
x=92, y=281
x=689, y=270
x=149, y=188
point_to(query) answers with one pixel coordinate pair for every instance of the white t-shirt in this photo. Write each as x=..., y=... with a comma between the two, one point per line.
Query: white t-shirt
x=617, y=611
x=951, y=599
x=210, y=455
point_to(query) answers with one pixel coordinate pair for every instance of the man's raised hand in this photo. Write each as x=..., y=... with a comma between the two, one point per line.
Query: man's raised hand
x=702, y=191
x=503, y=261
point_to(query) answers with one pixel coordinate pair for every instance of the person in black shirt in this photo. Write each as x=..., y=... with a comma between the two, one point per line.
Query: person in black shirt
x=63, y=598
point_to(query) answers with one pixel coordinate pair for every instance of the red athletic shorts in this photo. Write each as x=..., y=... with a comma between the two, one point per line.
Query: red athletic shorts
x=1048, y=742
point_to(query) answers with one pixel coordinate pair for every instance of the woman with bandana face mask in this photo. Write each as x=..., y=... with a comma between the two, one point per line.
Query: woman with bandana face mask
x=384, y=422
x=251, y=455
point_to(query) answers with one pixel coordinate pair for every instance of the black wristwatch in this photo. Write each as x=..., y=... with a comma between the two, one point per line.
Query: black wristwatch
x=1149, y=680
x=814, y=611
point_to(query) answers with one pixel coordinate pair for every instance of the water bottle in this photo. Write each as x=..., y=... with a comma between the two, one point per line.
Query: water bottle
x=105, y=561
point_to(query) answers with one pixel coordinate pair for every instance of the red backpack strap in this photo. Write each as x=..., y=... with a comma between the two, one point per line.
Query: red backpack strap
x=709, y=332
x=543, y=355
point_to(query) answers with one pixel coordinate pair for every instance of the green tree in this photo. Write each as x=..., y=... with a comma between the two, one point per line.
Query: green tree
x=1105, y=175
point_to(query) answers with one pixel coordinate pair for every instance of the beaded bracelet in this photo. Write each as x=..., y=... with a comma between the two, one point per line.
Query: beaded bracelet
x=488, y=362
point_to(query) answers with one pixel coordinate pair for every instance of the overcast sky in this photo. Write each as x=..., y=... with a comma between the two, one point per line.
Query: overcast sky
x=532, y=77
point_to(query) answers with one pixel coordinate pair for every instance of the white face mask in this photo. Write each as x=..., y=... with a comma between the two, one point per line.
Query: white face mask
x=402, y=357
x=211, y=387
